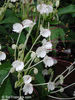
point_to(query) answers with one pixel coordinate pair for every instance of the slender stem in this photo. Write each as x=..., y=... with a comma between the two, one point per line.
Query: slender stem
x=32, y=47
x=58, y=98
x=28, y=62
x=34, y=65
x=27, y=37
x=5, y=78
x=17, y=45
x=63, y=88
x=40, y=84
x=35, y=42
x=64, y=71
x=69, y=73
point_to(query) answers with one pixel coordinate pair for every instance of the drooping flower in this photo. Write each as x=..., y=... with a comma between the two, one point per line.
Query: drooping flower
x=28, y=89
x=45, y=32
x=48, y=61
x=47, y=45
x=49, y=9
x=27, y=79
x=18, y=65
x=2, y=56
x=51, y=86
x=27, y=23
x=17, y=27
x=44, y=9
x=41, y=52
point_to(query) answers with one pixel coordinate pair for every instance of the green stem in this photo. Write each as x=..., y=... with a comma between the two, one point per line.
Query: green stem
x=32, y=47
x=27, y=37
x=17, y=45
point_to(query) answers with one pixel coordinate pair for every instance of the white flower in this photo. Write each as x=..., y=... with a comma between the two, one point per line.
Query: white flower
x=14, y=46
x=18, y=65
x=27, y=23
x=49, y=9
x=28, y=89
x=27, y=79
x=35, y=71
x=47, y=45
x=17, y=27
x=48, y=61
x=44, y=9
x=2, y=56
x=44, y=41
x=51, y=86
x=41, y=52
x=45, y=32
x=33, y=55
x=13, y=0
x=45, y=72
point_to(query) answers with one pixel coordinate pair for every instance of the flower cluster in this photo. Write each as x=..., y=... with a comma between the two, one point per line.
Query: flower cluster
x=26, y=60
x=44, y=9
x=28, y=87
x=18, y=27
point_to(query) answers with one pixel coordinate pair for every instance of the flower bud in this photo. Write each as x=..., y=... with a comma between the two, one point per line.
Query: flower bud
x=61, y=79
x=57, y=3
x=36, y=60
x=62, y=89
x=35, y=71
x=14, y=46
x=21, y=46
x=12, y=70
x=33, y=55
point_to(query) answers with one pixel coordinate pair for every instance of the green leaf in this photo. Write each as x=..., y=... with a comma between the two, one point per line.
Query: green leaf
x=67, y=10
x=4, y=69
x=11, y=51
x=57, y=33
x=22, y=37
x=10, y=20
x=10, y=17
x=39, y=78
x=6, y=89
x=73, y=15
